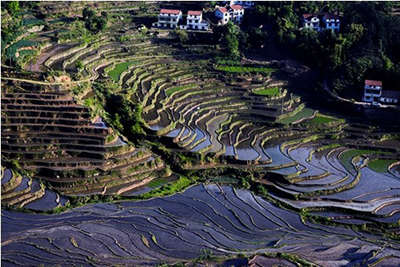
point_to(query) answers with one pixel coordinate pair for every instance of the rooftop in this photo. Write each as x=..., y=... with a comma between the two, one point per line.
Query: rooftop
x=194, y=13
x=372, y=82
x=223, y=9
x=331, y=16
x=170, y=11
x=236, y=7
x=307, y=16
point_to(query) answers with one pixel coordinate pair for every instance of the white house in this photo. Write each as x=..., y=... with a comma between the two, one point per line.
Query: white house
x=244, y=4
x=195, y=21
x=372, y=91
x=390, y=97
x=229, y=13
x=168, y=18
x=311, y=21
x=332, y=22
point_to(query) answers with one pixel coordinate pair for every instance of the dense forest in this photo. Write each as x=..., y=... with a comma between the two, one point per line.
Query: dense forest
x=367, y=46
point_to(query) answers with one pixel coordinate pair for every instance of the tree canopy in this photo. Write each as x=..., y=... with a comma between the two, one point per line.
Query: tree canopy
x=94, y=23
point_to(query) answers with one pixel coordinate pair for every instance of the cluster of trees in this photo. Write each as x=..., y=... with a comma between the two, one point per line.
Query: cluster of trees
x=94, y=23
x=234, y=40
x=12, y=7
x=126, y=117
x=366, y=47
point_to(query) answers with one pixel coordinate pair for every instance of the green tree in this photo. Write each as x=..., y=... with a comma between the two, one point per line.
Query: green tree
x=79, y=65
x=257, y=37
x=230, y=40
x=93, y=23
x=144, y=8
x=182, y=36
x=117, y=123
x=261, y=190
x=12, y=7
x=88, y=13
x=104, y=15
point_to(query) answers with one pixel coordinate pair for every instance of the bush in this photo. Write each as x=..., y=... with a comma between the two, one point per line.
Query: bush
x=182, y=36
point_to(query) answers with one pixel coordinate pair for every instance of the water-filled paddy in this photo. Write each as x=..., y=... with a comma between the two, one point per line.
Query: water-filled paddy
x=221, y=219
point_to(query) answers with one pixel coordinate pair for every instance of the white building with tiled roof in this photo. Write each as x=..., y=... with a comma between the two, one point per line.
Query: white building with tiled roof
x=229, y=13
x=332, y=22
x=329, y=22
x=168, y=18
x=372, y=90
x=195, y=21
x=311, y=21
x=244, y=4
x=390, y=97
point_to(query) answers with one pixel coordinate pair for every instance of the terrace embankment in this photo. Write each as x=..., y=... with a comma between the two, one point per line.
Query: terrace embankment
x=241, y=116
x=110, y=113
x=221, y=220
x=57, y=140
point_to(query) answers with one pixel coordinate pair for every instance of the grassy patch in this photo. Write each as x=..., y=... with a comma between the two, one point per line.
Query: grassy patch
x=145, y=241
x=73, y=242
x=319, y=119
x=32, y=22
x=236, y=69
x=156, y=183
x=304, y=113
x=347, y=156
x=170, y=91
x=169, y=188
x=268, y=91
x=120, y=68
x=380, y=165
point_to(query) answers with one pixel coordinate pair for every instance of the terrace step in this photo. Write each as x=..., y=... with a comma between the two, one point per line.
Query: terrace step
x=54, y=136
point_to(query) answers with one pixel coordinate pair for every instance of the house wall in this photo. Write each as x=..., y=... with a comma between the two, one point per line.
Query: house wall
x=219, y=14
x=333, y=24
x=168, y=20
x=372, y=93
x=389, y=100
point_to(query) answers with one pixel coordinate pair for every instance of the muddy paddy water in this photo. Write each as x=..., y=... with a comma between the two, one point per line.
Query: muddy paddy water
x=223, y=220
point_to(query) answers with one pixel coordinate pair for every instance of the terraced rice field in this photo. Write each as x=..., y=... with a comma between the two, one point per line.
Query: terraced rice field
x=57, y=139
x=203, y=111
x=219, y=219
x=60, y=145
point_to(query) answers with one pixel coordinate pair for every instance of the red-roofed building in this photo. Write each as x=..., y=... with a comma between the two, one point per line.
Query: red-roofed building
x=170, y=11
x=373, y=83
x=244, y=4
x=194, y=13
x=372, y=90
x=229, y=13
x=236, y=7
x=311, y=21
x=195, y=21
x=168, y=18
